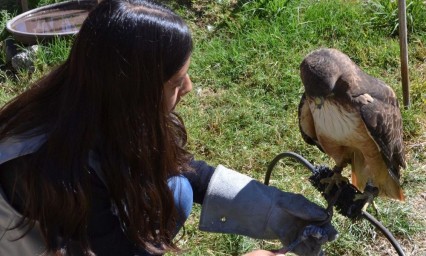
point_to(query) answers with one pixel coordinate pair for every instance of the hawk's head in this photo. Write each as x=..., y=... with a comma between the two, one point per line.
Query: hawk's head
x=322, y=71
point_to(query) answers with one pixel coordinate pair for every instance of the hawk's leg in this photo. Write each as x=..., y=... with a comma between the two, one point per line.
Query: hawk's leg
x=370, y=192
x=335, y=180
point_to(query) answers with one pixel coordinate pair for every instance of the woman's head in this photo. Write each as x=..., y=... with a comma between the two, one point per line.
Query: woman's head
x=128, y=49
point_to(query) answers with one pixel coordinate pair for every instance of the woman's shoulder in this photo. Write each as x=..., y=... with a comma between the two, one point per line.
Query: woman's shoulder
x=20, y=145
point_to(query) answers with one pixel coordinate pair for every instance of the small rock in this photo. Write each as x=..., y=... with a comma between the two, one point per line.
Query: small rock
x=199, y=92
x=25, y=59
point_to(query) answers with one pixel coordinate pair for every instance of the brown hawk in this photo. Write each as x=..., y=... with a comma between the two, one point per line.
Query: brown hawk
x=354, y=118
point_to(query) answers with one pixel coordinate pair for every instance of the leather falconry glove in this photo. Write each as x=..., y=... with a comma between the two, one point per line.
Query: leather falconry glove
x=237, y=204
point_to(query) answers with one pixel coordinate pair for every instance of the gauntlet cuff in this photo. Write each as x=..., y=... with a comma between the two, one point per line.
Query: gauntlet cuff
x=237, y=204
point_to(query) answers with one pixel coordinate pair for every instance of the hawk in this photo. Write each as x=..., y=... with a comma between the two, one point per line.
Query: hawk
x=354, y=118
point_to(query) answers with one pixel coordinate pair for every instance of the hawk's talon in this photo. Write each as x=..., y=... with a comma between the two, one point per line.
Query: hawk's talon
x=337, y=169
x=370, y=192
x=336, y=179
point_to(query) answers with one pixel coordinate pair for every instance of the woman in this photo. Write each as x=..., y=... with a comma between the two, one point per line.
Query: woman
x=93, y=155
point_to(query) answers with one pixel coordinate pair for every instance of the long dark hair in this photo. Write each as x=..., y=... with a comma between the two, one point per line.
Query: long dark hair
x=107, y=95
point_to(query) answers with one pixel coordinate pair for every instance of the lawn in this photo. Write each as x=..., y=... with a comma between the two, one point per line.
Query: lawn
x=243, y=108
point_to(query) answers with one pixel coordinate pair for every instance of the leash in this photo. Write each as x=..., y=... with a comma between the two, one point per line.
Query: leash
x=342, y=199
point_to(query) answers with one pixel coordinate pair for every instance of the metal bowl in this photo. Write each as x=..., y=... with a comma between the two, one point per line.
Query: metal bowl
x=45, y=23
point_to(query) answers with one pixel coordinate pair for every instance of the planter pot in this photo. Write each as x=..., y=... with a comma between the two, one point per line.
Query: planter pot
x=50, y=21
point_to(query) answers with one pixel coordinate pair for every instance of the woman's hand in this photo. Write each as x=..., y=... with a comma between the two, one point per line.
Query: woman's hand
x=262, y=253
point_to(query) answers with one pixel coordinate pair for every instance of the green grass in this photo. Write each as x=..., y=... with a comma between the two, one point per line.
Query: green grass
x=243, y=109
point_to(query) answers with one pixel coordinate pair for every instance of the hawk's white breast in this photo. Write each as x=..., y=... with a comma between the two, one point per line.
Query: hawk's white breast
x=338, y=123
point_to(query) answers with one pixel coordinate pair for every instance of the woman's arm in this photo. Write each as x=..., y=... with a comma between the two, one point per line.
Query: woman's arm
x=199, y=179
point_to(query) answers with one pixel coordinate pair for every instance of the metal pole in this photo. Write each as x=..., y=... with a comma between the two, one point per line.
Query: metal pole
x=404, y=52
x=24, y=5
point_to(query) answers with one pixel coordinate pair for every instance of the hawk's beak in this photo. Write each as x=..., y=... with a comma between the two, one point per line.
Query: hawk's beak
x=319, y=101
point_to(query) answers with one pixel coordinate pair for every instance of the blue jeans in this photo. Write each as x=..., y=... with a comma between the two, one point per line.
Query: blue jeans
x=183, y=198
